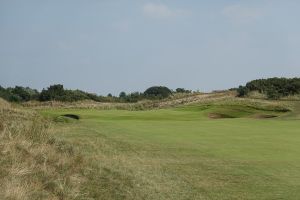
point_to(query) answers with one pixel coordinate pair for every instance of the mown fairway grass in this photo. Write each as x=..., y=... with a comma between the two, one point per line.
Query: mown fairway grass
x=182, y=154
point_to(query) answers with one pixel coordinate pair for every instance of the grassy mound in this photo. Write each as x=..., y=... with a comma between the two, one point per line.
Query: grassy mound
x=231, y=107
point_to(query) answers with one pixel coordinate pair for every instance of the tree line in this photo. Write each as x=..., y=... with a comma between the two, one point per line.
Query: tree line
x=57, y=92
x=273, y=88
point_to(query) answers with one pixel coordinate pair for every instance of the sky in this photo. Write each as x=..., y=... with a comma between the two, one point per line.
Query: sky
x=109, y=46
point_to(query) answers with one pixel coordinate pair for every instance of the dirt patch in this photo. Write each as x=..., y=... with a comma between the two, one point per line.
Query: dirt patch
x=219, y=116
x=264, y=116
x=72, y=116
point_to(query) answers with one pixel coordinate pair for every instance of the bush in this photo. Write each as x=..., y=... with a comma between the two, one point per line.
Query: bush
x=134, y=97
x=122, y=95
x=159, y=92
x=273, y=94
x=18, y=94
x=5, y=94
x=182, y=90
x=242, y=91
x=58, y=93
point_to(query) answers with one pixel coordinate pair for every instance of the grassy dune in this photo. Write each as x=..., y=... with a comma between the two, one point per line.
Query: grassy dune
x=186, y=153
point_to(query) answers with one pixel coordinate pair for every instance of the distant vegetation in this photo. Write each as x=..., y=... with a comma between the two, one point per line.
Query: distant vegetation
x=273, y=88
x=54, y=92
x=19, y=94
x=59, y=93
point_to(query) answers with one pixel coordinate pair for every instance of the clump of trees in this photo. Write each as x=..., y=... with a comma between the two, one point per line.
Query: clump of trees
x=54, y=92
x=182, y=90
x=18, y=94
x=155, y=92
x=59, y=93
x=274, y=88
x=131, y=97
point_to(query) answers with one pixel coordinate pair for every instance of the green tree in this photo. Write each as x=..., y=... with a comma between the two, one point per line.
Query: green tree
x=54, y=92
x=122, y=95
x=159, y=92
x=182, y=90
x=272, y=93
x=22, y=93
x=242, y=91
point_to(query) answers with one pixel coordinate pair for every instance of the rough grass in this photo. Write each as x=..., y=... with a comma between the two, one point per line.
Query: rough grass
x=33, y=164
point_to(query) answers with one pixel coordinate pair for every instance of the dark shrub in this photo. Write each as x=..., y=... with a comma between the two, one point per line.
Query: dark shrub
x=242, y=91
x=158, y=92
x=22, y=93
x=274, y=88
x=182, y=90
x=122, y=95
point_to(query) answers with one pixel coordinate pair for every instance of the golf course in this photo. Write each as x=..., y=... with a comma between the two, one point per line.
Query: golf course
x=149, y=100
x=212, y=150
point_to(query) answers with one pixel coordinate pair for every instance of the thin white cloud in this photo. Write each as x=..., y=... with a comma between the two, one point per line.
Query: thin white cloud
x=159, y=11
x=241, y=14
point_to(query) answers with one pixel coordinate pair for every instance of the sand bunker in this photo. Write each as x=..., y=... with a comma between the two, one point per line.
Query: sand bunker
x=264, y=116
x=71, y=116
x=219, y=116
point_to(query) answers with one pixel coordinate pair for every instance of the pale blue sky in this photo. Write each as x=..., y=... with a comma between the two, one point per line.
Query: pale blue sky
x=107, y=46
